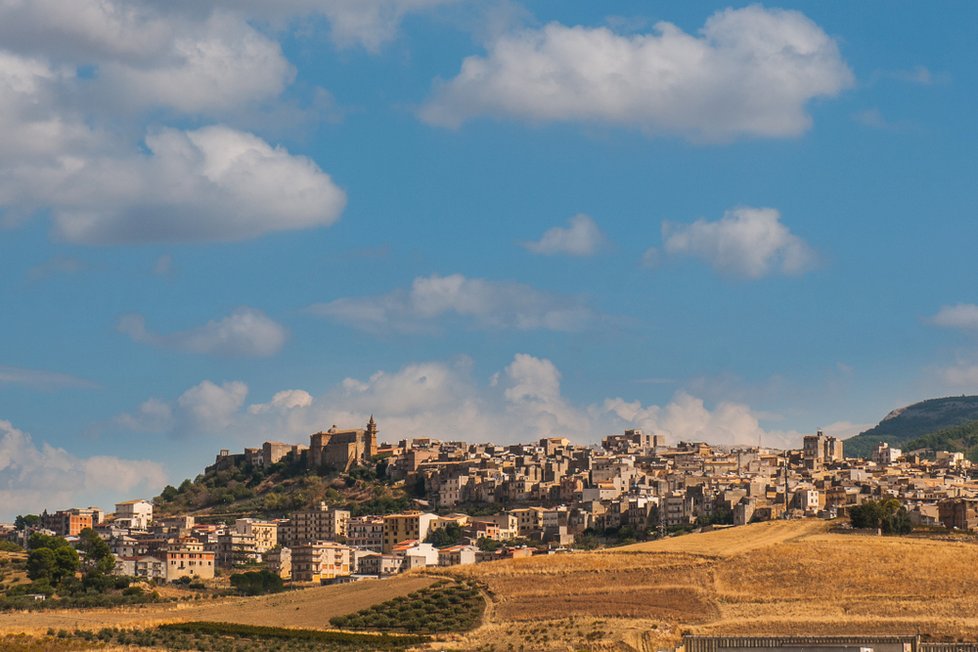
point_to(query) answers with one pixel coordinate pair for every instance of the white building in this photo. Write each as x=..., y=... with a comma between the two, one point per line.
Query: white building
x=134, y=514
x=884, y=455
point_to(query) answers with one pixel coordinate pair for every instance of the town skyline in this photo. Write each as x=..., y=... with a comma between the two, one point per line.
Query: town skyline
x=222, y=226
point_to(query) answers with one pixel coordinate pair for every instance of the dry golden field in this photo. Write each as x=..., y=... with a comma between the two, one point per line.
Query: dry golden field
x=308, y=608
x=790, y=577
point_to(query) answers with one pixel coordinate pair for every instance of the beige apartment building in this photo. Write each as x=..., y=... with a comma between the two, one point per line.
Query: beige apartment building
x=366, y=532
x=265, y=533
x=413, y=525
x=188, y=559
x=324, y=560
x=322, y=524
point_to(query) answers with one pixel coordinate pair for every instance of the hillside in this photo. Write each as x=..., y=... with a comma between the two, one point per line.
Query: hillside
x=914, y=421
x=775, y=578
x=960, y=439
x=247, y=490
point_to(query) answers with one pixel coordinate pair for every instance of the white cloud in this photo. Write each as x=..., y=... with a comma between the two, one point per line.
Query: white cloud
x=288, y=399
x=745, y=242
x=144, y=58
x=750, y=72
x=77, y=80
x=40, y=379
x=486, y=304
x=35, y=477
x=153, y=415
x=368, y=24
x=213, y=184
x=520, y=403
x=845, y=429
x=962, y=375
x=581, y=237
x=687, y=418
x=219, y=65
x=246, y=332
x=208, y=407
x=963, y=316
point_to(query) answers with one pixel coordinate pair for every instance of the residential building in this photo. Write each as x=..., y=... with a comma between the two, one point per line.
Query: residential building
x=188, y=558
x=265, y=533
x=366, y=532
x=134, y=514
x=323, y=560
x=309, y=526
x=411, y=525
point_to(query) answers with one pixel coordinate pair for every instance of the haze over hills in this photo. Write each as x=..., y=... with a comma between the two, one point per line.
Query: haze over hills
x=906, y=424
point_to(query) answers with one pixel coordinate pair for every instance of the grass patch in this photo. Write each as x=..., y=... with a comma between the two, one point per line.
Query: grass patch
x=442, y=607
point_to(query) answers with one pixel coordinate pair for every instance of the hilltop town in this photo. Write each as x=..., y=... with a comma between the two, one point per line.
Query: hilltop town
x=484, y=502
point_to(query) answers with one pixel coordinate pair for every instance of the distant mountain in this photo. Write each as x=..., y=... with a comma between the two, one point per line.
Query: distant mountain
x=904, y=425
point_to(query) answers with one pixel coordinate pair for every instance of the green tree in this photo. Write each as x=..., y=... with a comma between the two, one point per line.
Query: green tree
x=256, y=582
x=887, y=515
x=26, y=521
x=98, y=555
x=169, y=493
x=450, y=535
x=51, y=558
x=40, y=564
x=485, y=544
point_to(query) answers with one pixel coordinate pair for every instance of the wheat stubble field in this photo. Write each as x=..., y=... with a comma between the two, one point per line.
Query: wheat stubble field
x=790, y=577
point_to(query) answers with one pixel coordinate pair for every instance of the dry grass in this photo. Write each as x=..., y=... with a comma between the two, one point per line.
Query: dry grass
x=306, y=608
x=789, y=577
x=8, y=576
x=729, y=542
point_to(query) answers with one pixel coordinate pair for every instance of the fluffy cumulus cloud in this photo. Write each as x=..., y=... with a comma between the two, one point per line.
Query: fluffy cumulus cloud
x=521, y=402
x=749, y=72
x=246, y=332
x=142, y=56
x=687, y=418
x=287, y=399
x=34, y=477
x=581, y=237
x=745, y=243
x=962, y=316
x=205, y=185
x=211, y=407
x=80, y=79
x=482, y=303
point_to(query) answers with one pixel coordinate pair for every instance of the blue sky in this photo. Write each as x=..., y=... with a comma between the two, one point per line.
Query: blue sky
x=473, y=219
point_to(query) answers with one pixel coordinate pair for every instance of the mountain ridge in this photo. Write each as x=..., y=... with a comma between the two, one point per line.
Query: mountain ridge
x=917, y=420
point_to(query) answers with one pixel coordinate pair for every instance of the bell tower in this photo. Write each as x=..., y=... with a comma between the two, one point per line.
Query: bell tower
x=371, y=436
